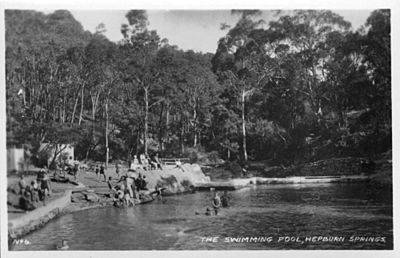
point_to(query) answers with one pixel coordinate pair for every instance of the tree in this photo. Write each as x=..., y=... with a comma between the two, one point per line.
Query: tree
x=36, y=68
x=102, y=69
x=141, y=45
x=306, y=33
x=378, y=62
x=238, y=58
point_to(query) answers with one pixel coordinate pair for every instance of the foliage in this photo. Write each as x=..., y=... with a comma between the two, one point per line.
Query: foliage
x=303, y=87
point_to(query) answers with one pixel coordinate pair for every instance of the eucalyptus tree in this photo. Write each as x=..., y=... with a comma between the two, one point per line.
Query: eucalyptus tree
x=170, y=64
x=306, y=32
x=141, y=46
x=36, y=47
x=102, y=76
x=377, y=51
x=240, y=62
x=200, y=91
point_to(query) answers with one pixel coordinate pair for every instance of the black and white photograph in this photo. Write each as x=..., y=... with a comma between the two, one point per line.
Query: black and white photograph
x=139, y=129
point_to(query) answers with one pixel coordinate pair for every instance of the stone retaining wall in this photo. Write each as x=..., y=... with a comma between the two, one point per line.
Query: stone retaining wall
x=37, y=218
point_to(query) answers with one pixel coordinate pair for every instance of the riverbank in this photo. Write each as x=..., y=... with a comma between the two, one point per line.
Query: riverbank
x=91, y=191
x=22, y=225
x=239, y=183
x=378, y=169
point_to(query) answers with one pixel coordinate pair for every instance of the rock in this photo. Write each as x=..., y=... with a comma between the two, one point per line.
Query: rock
x=13, y=199
x=77, y=197
x=92, y=197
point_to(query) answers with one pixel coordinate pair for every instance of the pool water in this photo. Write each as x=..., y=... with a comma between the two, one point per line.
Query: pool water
x=349, y=216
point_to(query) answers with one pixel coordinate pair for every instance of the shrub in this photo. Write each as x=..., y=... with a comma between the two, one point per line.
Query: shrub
x=193, y=157
x=42, y=158
x=213, y=157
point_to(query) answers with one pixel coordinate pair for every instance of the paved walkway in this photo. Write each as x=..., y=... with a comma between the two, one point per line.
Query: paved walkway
x=87, y=178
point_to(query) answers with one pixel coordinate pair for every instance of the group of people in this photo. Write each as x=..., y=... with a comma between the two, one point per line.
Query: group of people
x=100, y=171
x=145, y=162
x=126, y=191
x=69, y=166
x=37, y=190
x=217, y=203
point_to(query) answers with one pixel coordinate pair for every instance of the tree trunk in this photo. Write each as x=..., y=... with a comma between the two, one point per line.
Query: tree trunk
x=87, y=153
x=107, y=149
x=76, y=104
x=63, y=109
x=138, y=135
x=56, y=153
x=167, y=124
x=82, y=104
x=95, y=98
x=146, y=117
x=195, y=127
x=244, y=127
x=160, y=129
x=182, y=140
x=199, y=138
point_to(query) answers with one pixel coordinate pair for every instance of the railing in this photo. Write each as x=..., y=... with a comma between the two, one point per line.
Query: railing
x=172, y=161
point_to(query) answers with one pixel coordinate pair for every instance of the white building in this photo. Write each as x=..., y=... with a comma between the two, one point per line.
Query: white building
x=15, y=159
x=62, y=150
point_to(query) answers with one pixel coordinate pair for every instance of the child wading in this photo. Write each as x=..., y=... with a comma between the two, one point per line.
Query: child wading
x=216, y=203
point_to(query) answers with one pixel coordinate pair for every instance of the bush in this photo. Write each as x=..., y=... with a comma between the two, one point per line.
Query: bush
x=193, y=157
x=234, y=168
x=41, y=159
x=192, y=154
x=213, y=157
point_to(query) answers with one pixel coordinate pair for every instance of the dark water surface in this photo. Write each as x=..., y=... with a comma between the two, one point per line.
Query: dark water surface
x=269, y=213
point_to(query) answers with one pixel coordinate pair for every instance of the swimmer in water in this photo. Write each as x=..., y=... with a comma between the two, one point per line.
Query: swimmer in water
x=63, y=246
x=224, y=199
x=207, y=213
x=216, y=203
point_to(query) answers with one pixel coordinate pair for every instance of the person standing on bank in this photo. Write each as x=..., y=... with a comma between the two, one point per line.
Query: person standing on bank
x=21, y=184
x=35, y=191
x=157, y=161
x=97, y=171
x=102, y=172
x=130, y=179
x=75, y=170
x=117, y=169
x=45, y=188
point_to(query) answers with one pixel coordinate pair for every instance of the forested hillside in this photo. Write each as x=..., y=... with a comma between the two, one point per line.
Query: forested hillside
x=303, y=87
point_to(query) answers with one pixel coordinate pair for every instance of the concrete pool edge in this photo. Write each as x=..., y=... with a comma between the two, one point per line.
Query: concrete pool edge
x=238, y=183
x=37, y=218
